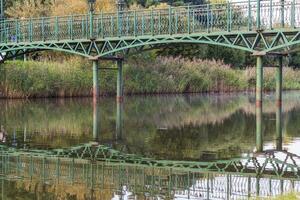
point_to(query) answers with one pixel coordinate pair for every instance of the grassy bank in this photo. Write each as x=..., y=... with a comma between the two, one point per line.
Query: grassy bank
x=20, y=79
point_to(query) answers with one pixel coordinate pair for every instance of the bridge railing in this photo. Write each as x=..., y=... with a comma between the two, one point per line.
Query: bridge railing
x=208, y=18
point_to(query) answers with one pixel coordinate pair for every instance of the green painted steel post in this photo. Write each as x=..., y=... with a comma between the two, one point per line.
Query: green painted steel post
x=176, y=22
x=193, y=21
x=2, y=9
x=119, y=121
x=170, y=20
x=17, y=31
x=134, y=24
x=43, y=29
x=188, y=19
x=101, y=25
x=118, y=24
x=159, y=22
x=279, y=128
x=258, y=17
x=259, y=89
x=279, y=81
x=279, y=104
x=152, y=22
x=207, y=18
x=91, y=22
x=71, y=27
x=211, y=20
x=293, y=14
x=56, y=29
x=271, y=14
x=95, y=81
x=282, y=13
x=143, y=24
x=95, y=122
x=91, y=26
x=249, y=16
x=120, y=81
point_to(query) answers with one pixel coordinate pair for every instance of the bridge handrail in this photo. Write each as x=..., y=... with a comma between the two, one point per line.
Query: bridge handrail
x=140, y=10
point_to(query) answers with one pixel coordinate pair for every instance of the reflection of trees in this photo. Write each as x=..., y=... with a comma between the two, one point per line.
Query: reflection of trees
x=199, y=126
x=293, y=125
x=35, y=189
x=57, y=120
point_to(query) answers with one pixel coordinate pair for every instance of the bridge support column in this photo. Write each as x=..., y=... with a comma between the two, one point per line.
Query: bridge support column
x=259, y=91
x=119, y=121
x=279, y=104
x=120, y=94
x=95, y=81
x=95, y=122
x=95, y=98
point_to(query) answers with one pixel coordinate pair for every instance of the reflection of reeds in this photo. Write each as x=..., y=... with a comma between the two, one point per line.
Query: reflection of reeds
x=65, y=122
x=213, y=109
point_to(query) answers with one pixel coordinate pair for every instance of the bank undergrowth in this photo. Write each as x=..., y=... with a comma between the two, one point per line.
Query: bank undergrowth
x=72, y=78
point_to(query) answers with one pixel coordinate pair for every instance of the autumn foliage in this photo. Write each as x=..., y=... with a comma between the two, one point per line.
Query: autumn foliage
x=37, y=8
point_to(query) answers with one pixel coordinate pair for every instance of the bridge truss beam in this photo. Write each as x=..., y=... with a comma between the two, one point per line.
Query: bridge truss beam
x=252, y=42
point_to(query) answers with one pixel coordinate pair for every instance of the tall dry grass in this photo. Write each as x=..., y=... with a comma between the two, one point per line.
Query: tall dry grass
x=73, y=78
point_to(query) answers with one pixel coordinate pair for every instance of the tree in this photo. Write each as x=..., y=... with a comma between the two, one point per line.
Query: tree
x=37, y=8
x=68, y=7
x=28, y=8
x=148, y=3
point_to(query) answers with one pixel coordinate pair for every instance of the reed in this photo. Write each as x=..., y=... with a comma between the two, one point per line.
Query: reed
x=73, y=78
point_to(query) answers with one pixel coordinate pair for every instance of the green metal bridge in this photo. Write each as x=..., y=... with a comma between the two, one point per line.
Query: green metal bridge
x=263, y=26
x=259, y=27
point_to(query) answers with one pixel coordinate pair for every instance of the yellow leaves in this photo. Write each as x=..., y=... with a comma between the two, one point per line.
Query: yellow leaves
x=135, y=6
x=37, y=8
x=159, y=6
x=218, y=1
x=28, y=8
x=69, y=7
x=106, y=5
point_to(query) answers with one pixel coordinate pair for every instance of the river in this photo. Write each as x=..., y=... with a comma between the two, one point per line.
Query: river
x=212, y=130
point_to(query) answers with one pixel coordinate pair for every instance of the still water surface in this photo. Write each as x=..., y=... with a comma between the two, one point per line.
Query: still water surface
x=172, y=128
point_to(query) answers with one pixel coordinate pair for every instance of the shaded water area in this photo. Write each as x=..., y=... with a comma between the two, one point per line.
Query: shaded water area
x=149, y=147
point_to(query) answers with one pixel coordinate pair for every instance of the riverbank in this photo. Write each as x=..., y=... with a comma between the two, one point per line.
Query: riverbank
x=73, y=78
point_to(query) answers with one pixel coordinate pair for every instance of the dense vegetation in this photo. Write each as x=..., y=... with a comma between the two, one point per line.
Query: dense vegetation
x=180, y=68
x=142, y=75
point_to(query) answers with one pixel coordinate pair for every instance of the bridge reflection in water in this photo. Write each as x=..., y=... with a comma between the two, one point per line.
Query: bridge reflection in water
x=94, y=171
x=110, y=179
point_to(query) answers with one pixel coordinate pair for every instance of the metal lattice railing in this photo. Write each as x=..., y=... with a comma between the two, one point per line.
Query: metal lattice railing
x=208, y=18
